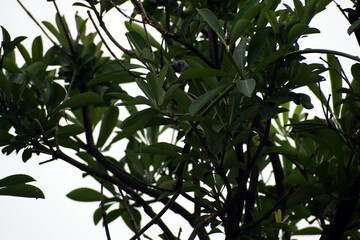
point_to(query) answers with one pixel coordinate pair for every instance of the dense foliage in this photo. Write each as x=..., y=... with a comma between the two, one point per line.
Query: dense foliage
x=226, y=80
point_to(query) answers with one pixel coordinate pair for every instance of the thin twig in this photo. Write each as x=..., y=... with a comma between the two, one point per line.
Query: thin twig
x=62, y=111
x=109, y=49
x=103, y=210
x=165, y=208
x=135, y=53
x=145, y=19
x=202, y=224
x=45, y=137
x=38, y=24
x=270, y=212
x=65, y=28
x=120, y=11
x=178, y=15
x=125, y=201
x=108, y=34
x=341, y=74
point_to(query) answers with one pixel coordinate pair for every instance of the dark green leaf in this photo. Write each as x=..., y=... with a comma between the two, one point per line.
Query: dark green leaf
x=37, y=49
x=11, y=66
x=203, y=100
x=22, y=190
x=246, y=86
x=131, y=26
x=309, y=231
x=52, y=29
x=145, y=88
x=201, y=73
x=26, y=154
x=109, y=121
x=83, y=99
x=335, y=80
x=140, y=117
x=85, y=195
x=15, y=180
x=138, y=41
x=5, y=85
x=238, y=30
x=70, y=130
x=296, y=31
x=154, y=84
x=119, y=76
x=213, y=22
x=354, y=26
x=98, y=214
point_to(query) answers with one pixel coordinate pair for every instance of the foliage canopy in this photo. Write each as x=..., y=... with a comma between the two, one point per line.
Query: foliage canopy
x=221, y=79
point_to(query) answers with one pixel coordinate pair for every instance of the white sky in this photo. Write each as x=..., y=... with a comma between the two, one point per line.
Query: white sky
x=57, y=217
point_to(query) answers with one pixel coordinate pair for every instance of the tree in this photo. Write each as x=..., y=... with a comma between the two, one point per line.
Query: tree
x=222, y=79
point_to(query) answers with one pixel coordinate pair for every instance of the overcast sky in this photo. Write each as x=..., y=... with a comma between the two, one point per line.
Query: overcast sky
x=57, y=217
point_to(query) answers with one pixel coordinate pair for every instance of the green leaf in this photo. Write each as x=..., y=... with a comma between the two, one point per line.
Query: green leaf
x=271, y=17
x=160, y=121
x=256, y=46
x=145, y=88
x=354, y=26
x=131, y=26
x=269, y=59
x=52, y=29
x=98, y=214
x=11, y=66
x=140, y=117
x=70, y=130
x=37, y=49
x=239, y=29
x=5, y=85
x=161, y=148
x=136, y=215
x=5, y=137
x=278, y=216
x=201, y=73
x=22, y=190
x=355, y=71
x=25, y=54
x=114, y=214
x=119, y=76
x=154, y=84
x=239, y=54
x=85, y=195
x=26, y=154
x=308, y=231
x=5, y=35
x=246, y=86
x=296, y=31
x=294, y=179
x=309, y=12
x=62, y=32
x=82, y=99
x=138, y=41
x=213, y=22
x=15, y=180
x=204, y=99
x=109, y=121
x=335, y=80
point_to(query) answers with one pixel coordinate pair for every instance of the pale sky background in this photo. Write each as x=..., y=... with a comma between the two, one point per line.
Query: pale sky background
x=59, y=218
